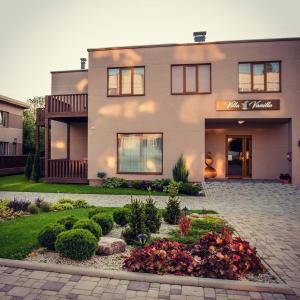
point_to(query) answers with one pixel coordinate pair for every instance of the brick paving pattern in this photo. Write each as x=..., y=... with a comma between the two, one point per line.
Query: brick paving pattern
x=267, y=214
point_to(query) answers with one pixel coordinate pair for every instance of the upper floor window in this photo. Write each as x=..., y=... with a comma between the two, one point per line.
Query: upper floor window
x=259, y=77
x=126, y=81
x=3, y=148
x=14, y=149
x=191, y=79
x=3, y=119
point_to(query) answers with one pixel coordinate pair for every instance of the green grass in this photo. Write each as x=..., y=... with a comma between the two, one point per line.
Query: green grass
x=18, y=183
x=19, y=236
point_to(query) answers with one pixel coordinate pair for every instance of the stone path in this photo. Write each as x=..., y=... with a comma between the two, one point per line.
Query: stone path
x=266, y=214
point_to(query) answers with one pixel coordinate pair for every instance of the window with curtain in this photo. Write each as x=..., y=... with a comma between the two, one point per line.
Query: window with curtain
x=259, y=77
x=3, y=119
x=191, y=79
x=126, y=81
x=3, y=148
x=140, y=153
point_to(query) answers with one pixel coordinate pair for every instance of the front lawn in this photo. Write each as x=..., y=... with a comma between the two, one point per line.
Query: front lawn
x=18, y=183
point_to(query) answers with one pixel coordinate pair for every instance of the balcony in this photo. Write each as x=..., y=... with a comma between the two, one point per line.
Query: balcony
x=66, y=106
x=67, y=171
x=40, y=117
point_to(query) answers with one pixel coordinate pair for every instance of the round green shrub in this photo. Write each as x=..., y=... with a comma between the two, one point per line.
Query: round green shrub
x=33, y=209
x=121, y=216
x=76, y=244
x=45, y=206
x=105, y=221
x=80, y=203
x=130, y=236
x=47, y=236
x=96, y=211
x=89, y=225
x=68, y=222
x=62, y=206
x=128, y=205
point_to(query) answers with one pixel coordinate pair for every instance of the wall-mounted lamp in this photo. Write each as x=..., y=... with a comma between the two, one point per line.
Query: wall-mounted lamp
x=289, y=156
x=241, y=122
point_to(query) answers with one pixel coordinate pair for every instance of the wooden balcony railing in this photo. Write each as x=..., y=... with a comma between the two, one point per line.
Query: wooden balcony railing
x=67, y=105
x=67, y=171
x=40, y=117
x=12, y=164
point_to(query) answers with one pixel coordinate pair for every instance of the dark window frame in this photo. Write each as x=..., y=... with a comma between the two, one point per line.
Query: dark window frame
x=265, y=76
x=142, y=173
x=6, y=148
x=7, y=118
x=197, y=81
x=132, y=78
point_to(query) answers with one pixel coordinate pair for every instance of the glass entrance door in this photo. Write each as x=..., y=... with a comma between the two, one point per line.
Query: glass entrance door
x=238, y=156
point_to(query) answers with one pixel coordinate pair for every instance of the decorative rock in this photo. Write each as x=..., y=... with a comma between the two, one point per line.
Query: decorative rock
x=110, y=245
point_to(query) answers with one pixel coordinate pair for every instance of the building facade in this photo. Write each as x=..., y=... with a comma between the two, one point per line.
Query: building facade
x=136, y=109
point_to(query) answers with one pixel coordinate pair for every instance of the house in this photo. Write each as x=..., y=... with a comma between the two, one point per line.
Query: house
x=136, y=109
x=11, y=135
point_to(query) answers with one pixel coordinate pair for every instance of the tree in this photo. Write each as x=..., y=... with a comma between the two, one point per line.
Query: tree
x=180, y=171
x=36, y=169
x=28, y=167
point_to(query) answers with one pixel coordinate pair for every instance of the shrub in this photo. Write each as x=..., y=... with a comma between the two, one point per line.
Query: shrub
x=152, y=215
x=185, y=225
x=115, y=182
x=68, y=222
x=172, y=212
x=161, y=257
x=224, y=257
x=136, y=223
x=65, y=200
x=160, y=184
x=80, y=203
x=3, y=203
x=128, y=205
x=189, y=189
x=36, y=168
x=38, y=202
x=105, y=221
x=62, y=206
x=89, y=225
x=7, y=213
x=17, y=205
x=121, y=216
x=76, y=244
x=47, y=236
x=96, y=211
x=135, y=184
x=33, y=209
x=45, y=206
x=180, y=171
x=28, y=166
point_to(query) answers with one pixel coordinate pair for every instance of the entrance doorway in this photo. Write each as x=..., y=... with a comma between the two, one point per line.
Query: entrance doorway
x=238, y=156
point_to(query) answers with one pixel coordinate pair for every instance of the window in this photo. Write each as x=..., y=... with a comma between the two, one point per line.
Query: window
x=191, y=79
x=259, y=77
x=140, y=153
x=14, y=149
x=3, y=119
x=3, y=148
x=126, y=81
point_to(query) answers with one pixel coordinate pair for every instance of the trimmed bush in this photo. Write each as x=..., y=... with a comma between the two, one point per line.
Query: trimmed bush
x=180, y=171
x=81, y=203
x=45, y=206
x=96, y=211
x=36, y=168
x=189, y=189
x=105, y=221
x=121, y=216
x=68, y=222
x=76, y=244
x=152, y=216
x=89, y=225
x=115, y=182
x=62, y=206
x=28, y=166
x=33, y=209
x=172, y=212
x=47, y=236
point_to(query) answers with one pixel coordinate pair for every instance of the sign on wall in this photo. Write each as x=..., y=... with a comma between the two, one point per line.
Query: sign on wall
x=247, y=105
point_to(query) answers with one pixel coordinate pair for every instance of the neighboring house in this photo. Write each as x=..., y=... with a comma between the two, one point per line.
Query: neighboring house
x=11, y=135
x=136, y=109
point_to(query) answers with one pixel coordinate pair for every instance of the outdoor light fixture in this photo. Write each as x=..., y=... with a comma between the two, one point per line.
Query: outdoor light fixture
x=185, y=210
x=142, y=239
x=241, y=122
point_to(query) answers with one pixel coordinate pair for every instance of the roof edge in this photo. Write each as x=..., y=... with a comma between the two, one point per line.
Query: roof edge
x=69, y=71
x=195, y=44
x=14, y=102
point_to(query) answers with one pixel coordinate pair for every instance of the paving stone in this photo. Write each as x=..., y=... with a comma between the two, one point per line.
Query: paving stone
x=75, y=278
x=138, y=286
x=19, y=291
x=85, y=285
x=6, y=288
x=192, y=291
x=53, y=286
x=9, y=270
x=72, y=296
x=38, y=275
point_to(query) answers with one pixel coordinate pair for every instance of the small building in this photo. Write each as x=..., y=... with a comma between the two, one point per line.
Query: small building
x=136, y=109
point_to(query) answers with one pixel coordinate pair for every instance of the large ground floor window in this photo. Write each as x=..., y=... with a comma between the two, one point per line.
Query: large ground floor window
x=140, y=153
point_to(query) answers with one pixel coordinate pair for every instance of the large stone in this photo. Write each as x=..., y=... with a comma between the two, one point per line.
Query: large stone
x=110, y=245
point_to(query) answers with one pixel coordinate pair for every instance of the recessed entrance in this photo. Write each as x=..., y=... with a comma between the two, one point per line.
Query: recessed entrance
x=238, y=156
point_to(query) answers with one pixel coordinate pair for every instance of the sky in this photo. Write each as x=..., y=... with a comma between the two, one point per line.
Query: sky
x=39, y=36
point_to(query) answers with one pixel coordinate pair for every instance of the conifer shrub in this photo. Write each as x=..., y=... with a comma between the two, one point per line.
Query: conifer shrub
x=180, y=171
x=36, y=169
x=172, y=212
x=152, y=215
x=121, y=216
x=105, y=221
x=68, y=222
x=28, y=166
x=89, y=225
x=47, y=236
